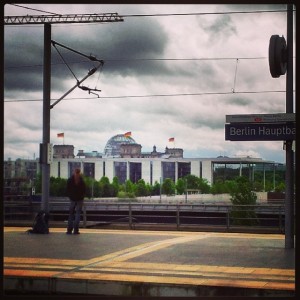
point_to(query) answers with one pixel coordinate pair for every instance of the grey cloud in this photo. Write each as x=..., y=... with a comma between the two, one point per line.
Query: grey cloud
x=222, y=26
x=21, y=50
x=249, y=7
x=122, y=45
x=132, y=40
x=239, y=101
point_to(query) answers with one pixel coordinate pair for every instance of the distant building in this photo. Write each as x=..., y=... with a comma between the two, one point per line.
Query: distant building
x=123, y=158
x=19, y=176
x=83, y=154
x=113, y=145
x=63, y=151
x=21, y=168
x=174, y=152
x=130, y=150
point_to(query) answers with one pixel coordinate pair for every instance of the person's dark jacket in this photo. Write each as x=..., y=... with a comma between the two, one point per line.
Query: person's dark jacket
x=75, y=192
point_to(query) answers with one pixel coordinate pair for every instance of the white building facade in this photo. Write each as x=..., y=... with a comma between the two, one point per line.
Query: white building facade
x=153, y=170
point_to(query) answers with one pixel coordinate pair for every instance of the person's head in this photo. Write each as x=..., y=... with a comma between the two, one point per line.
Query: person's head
x=77, y=172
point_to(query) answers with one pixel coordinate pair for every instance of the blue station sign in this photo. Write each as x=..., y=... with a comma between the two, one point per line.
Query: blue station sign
x=260, y=131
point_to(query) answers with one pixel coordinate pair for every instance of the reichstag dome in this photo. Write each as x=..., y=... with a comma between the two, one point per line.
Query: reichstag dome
x=112, y=147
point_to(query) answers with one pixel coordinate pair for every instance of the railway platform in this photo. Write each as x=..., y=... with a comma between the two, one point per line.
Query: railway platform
x=143, y=263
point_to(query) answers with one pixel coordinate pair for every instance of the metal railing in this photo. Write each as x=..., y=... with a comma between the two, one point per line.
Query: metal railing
x=96, y=213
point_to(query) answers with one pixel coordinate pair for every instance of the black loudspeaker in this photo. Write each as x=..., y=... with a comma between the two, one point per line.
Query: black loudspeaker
x=277, y=56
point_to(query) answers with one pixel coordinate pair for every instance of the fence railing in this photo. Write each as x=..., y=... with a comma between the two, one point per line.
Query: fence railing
x=180, y=215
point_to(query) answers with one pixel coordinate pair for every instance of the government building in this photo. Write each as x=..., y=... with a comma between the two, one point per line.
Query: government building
x=123, y=157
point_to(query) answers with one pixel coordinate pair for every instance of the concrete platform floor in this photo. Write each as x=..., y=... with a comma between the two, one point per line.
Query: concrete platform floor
x=147, y=263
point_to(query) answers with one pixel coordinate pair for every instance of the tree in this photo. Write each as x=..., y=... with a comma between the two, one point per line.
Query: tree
x=57, y=187
x=181, y=186
x=243, y=199
x=105, y=187
x=89, y=183
x=140, y=188
x=97, y=189
x=196, y=183
x=192, y=182
x=203, y=186
x=168, y=187
x=156, y=189
x=115, y=186
x=222, y=187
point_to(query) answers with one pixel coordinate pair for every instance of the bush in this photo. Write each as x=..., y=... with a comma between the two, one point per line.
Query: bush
x=168, y=187
x=241, y=194
x=125, y=195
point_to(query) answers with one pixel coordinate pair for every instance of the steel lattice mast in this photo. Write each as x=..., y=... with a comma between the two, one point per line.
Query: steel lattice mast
x=47, y=20
x=68, y=18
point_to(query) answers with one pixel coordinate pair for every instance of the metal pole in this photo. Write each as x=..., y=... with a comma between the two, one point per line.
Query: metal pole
x=289, y=183
x=46, y=116
x=160, y=182
x=130, y=215
x=91, y=72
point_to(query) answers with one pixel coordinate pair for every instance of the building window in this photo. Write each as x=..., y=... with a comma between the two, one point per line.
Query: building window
x=120, y=171
x=135, y=172
x=168, y=170
x=184, y=169
x=89, y=170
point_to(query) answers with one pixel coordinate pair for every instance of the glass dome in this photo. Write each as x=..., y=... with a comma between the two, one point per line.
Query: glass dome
x=113, y=145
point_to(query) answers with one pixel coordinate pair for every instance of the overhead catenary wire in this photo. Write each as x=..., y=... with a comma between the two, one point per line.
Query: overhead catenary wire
x=177, y=14
x=147, y=59
x=34, y=9
x=54, y=45
x=235, y=73
x=152, y=95
x=183, y=59
x=205, y=13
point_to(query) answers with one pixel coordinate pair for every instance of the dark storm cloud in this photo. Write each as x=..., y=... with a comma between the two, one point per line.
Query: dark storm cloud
x=121, y=46
x=23, y=59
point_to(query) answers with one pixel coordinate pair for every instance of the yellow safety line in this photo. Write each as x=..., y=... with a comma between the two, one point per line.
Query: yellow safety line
x=112, y=266
x=178, y=280
x=157, y=233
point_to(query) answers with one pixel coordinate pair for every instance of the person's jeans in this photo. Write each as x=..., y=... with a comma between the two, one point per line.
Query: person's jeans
x=74, y=215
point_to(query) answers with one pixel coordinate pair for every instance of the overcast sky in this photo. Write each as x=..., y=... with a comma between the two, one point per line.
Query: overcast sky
x=194, y=70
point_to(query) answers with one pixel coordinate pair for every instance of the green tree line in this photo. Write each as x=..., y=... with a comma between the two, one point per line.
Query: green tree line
x=104, y=188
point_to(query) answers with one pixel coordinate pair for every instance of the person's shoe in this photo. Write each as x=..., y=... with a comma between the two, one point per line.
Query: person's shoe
x=76, y=232
x=69, y=232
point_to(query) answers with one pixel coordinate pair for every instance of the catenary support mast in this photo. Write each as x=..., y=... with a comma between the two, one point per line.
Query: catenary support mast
x=47, y=20
x=289, y=194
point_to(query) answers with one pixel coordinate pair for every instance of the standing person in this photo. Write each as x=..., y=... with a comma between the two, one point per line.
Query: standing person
x=76, y=191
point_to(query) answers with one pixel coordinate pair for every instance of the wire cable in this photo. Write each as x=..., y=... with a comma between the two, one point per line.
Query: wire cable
x=34, y=9
x=148, y=59
x=205, y=13
x=54, y=45
x=235, y=73
x=152, y=95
